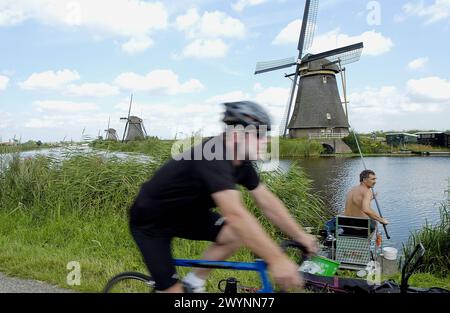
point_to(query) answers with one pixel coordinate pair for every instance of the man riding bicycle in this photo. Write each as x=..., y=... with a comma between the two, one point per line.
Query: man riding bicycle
x=178, y=201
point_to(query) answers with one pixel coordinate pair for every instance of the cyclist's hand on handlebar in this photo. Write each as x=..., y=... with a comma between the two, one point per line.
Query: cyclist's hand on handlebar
x=285, y=273
x=309, y=242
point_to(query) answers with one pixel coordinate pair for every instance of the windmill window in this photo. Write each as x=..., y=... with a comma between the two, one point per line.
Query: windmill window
x=324, y=79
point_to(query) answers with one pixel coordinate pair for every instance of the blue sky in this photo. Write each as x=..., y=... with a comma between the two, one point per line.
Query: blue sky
x=70, y=65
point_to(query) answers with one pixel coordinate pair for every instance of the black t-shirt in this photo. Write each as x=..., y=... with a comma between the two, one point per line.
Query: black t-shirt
x=184, y=187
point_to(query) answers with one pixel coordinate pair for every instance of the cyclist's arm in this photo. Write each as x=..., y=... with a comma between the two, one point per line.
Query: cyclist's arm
x=277, y=213
x=247, y=226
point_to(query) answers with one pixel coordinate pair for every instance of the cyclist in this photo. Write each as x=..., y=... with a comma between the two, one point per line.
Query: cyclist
x=178, y=201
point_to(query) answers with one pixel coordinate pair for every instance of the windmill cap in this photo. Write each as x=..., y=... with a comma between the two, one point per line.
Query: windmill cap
x=246, y=113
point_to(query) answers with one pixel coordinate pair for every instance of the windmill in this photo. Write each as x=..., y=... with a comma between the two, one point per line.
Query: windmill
x=111, y=133
x=318, y=107
x=134, y=128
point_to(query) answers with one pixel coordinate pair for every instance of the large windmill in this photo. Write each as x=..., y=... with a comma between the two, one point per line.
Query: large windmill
x=111, y=133
x=134, y=127
x=318, y=110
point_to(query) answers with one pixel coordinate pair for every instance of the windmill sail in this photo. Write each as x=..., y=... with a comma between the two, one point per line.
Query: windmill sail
x=345, y=55
x=269, y=66
x=309, y=29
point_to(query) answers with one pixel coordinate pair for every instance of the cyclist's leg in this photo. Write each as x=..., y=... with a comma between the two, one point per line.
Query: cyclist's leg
x=157, y=255
x=211, y=227
x=226, y=244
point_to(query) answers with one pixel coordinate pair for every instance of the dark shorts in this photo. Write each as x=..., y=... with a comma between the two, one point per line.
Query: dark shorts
x=154, y=242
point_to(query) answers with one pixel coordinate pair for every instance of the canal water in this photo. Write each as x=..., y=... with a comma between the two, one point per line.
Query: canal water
x=410, y=189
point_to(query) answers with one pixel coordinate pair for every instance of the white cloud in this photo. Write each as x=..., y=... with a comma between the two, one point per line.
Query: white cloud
x=137, y=44
x=374, y=42
x=92, y=90
x=430, y=88
x=257, y=87
x=10, y=16
x=207, y=32
x=389, y=107
x=165, y=81
x=5, y=120
x=49, y=79
x=124, y=18
x=289, y=34
x=4, y=80
x=188, y=20
x=62, y=123
x=205, y=48
x=229, y=97
x=240, y=5
x=64, y=106
x=274, y=99
x=273, y=96
x=210, y=25
x=439, y=10
x=418, y=64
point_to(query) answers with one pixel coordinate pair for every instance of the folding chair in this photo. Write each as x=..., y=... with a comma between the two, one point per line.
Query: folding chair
x=354, y=242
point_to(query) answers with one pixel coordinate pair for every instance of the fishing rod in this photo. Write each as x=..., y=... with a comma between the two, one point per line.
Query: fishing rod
x=373, y=191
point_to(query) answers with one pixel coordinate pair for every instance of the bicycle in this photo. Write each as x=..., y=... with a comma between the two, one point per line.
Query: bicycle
x=312, y=282
x=141, y=282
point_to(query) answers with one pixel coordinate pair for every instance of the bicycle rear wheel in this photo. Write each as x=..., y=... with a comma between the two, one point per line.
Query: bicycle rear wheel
x=130, y=282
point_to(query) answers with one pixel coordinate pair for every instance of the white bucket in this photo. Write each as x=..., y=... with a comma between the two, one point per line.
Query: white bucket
x=390, y=253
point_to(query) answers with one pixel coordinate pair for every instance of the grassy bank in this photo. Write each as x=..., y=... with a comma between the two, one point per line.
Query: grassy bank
x=290, y=148
x=156, y=148
x=30, y=145
x=436, y=241
x=53, y=212
x=153, y=147
x=377, y=146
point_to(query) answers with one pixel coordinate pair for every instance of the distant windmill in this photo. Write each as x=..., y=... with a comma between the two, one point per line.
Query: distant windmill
x=318, y=106
x=134, y=128
x=111, y=133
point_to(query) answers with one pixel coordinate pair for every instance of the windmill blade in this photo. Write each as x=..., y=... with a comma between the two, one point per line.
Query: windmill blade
x=125, y=130
x=269, y=66
x=345, y=55
x=285, y=118
x=145, y=131
x=129, y=109
x=308, y=26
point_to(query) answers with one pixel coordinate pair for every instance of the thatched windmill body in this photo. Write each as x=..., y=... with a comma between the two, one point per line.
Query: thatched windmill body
x=318, y=111
x=111, y=133
x=134, y=127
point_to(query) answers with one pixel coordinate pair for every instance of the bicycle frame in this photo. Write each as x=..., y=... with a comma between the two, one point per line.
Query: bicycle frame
x=259, y=266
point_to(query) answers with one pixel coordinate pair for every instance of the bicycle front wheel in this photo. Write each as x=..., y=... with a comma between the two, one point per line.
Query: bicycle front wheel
x=130, y=282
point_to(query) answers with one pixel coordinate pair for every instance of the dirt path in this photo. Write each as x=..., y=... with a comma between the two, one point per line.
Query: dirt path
x=18, y=285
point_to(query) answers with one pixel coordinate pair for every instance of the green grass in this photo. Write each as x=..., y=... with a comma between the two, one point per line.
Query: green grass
x=30, y=145
x=300, y=148
x=53, y=212
x=157, y=148
x=370, y=146
x=436, y=241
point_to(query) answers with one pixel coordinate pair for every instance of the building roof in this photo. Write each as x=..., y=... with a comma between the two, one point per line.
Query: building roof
x=428, y=133
x=405, y=134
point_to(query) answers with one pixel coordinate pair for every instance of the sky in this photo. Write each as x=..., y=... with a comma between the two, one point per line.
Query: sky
x=67, y=67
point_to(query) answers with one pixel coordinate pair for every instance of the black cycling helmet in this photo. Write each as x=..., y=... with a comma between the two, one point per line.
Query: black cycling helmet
x=246, y=113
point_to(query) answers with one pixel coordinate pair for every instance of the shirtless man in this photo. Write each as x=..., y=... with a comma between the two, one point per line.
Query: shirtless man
x=359, y=197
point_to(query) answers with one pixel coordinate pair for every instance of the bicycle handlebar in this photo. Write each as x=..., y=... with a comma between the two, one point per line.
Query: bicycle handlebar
x=293, y=244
